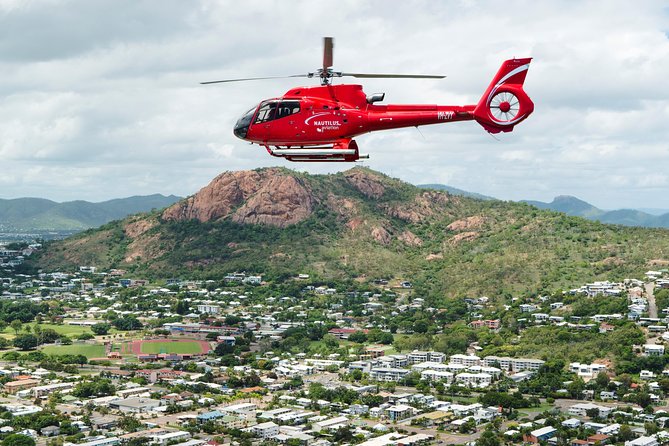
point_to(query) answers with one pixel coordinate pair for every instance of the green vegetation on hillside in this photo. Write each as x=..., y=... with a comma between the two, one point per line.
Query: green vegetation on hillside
x=493, y=247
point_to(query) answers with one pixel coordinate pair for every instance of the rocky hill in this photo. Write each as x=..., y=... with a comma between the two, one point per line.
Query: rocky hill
x=362, y=224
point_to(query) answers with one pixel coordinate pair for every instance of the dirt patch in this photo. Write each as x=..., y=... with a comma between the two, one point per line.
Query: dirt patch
x=136, y=228
x=430, y=257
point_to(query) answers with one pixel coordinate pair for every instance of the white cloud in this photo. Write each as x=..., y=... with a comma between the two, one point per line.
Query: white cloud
x=101, y=99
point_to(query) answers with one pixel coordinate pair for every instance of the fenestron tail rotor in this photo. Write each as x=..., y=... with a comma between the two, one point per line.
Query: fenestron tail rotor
x=504, y=106
x=326, y=73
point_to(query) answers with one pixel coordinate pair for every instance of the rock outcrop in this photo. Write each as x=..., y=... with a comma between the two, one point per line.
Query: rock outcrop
x=268, y=196
x=465, y=224
x=410, y=239
x=366, y=182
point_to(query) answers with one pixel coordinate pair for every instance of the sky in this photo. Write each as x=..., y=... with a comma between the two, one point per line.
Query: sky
x=101, y=99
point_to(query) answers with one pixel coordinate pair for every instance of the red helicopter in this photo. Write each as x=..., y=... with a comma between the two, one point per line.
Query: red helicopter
x=319, y=123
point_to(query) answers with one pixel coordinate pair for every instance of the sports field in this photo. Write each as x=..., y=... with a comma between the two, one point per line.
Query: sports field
x=88, y=350
x=182, y=347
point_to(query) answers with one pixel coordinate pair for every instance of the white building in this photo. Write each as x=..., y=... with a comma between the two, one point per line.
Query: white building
x=474, y=379
x=467, y=360
x=581, y=410
x=264, y=430
x=436, y=375
x=387, y=374
x=330, y=424
x=513, y=364
x=586, y=370
x=642, y=441
x=419, y=356
x=209, y=309
x=653, y=350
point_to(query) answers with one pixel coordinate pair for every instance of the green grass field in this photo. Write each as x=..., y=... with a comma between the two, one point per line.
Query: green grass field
x=171, y=347
x=89, y=351
x=69, y=330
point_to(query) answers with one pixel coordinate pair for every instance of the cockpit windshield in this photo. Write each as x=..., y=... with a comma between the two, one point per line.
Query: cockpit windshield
x=242, y=125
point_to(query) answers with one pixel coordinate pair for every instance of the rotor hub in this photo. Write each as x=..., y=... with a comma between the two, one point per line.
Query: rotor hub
x=504, y=107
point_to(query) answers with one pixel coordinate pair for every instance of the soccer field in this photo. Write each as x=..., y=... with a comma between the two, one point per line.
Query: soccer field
x=89, y=351
x=171, y=347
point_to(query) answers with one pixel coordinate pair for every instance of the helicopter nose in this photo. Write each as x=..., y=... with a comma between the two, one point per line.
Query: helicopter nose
x=241, y=129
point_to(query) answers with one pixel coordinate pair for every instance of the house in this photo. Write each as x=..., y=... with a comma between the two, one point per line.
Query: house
x=492, y=324
x=542, y=434
x=598, y=439
x=571, y=423
x=110, y=441
x=209, y=416
x=646, y=375
x=329, y=424
x=586, y=370
x=50, y=431
x=135, y=405
x=653, y=349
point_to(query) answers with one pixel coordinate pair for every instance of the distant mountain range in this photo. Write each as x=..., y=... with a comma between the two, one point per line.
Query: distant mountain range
x=650, y=218
x=39, y=214
x=579, y=208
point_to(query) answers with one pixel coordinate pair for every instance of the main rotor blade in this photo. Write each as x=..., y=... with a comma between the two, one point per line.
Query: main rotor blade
x=253, y=79
x=393, y=76
x=328, y=46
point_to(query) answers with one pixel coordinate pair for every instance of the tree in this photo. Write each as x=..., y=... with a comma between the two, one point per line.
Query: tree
x=592, y=413
x=26, y=342
x=358, y=336
x=181, y=307
x=127, y=323
x=129, y=423
x=96, y=387
x=602, y=380
x=18, y=440
x=488, y=438
x=625, y=433
x=100, y=329
x=16, y=325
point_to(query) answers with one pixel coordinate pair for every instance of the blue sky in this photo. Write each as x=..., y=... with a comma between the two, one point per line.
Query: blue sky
x=101, y=99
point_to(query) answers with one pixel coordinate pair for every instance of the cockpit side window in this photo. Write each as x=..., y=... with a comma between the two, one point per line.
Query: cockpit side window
x=287, y=108
x=267, y=112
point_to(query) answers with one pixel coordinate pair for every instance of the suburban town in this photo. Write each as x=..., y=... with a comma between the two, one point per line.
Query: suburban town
x=101, y=358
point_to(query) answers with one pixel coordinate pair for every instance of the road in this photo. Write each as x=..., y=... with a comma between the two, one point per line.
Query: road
x=652, y=306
